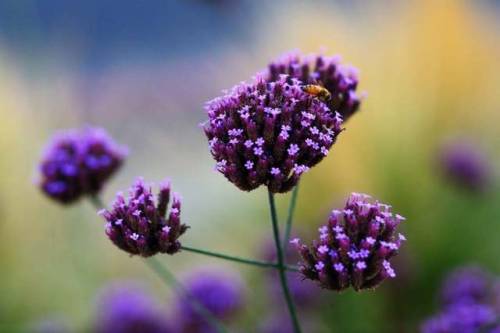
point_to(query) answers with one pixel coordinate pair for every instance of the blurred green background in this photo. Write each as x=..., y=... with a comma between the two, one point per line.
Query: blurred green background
x=143, y=70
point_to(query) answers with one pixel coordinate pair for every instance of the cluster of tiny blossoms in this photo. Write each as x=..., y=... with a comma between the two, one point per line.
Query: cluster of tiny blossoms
x=141, y=226
x=354, y=247
x=126, y=308
x=341, y=81
x=269, y=133
x=77, y=163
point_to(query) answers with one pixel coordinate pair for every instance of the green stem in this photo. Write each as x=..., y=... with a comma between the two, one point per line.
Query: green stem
x=237, y=259
x=281, y=266
x=169, y=279
x=97, y=203
x=289, y=220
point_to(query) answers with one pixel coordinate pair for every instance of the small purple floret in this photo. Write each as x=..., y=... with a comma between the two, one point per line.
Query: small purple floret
x=354, y=248
x=142, y=227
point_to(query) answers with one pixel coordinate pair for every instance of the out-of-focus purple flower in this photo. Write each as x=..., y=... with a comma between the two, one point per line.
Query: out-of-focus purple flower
x=78, y=162
x=462, y=318
x=220, y=292
x=354, y=247
x=469, y=304
x=142, y=227
x=126, y=308
x=465, y=165
x=263, y=133
x=340, y=80
x=466, y=285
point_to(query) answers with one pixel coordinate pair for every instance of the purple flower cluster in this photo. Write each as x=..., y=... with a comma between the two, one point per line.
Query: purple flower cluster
x=125, y=308
x=354, y=247
x=269, y=133
x=467, y=304
x=79, y=162
x=141, y=226
x=466, y=285
x=465, y=165
x=220, y=292
x=341, y=81
x=463, y=318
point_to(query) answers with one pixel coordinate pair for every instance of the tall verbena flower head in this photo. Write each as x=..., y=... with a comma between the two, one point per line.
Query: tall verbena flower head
x=465, y=165
x=220, y=292
x=269, y=133
x=126, y=308
x=354, y=247
x=78, y=162
x=141, y=225
x=340, y=80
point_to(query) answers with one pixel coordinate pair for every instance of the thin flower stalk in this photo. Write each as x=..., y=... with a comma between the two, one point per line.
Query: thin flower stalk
x=253, y=262
x=281, y=265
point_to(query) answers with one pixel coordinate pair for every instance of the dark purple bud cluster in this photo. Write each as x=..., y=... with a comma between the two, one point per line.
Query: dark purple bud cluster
x=141, y=227
x=79, y=162
x=354, y=247
x=341, y=81
x=269, y=133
